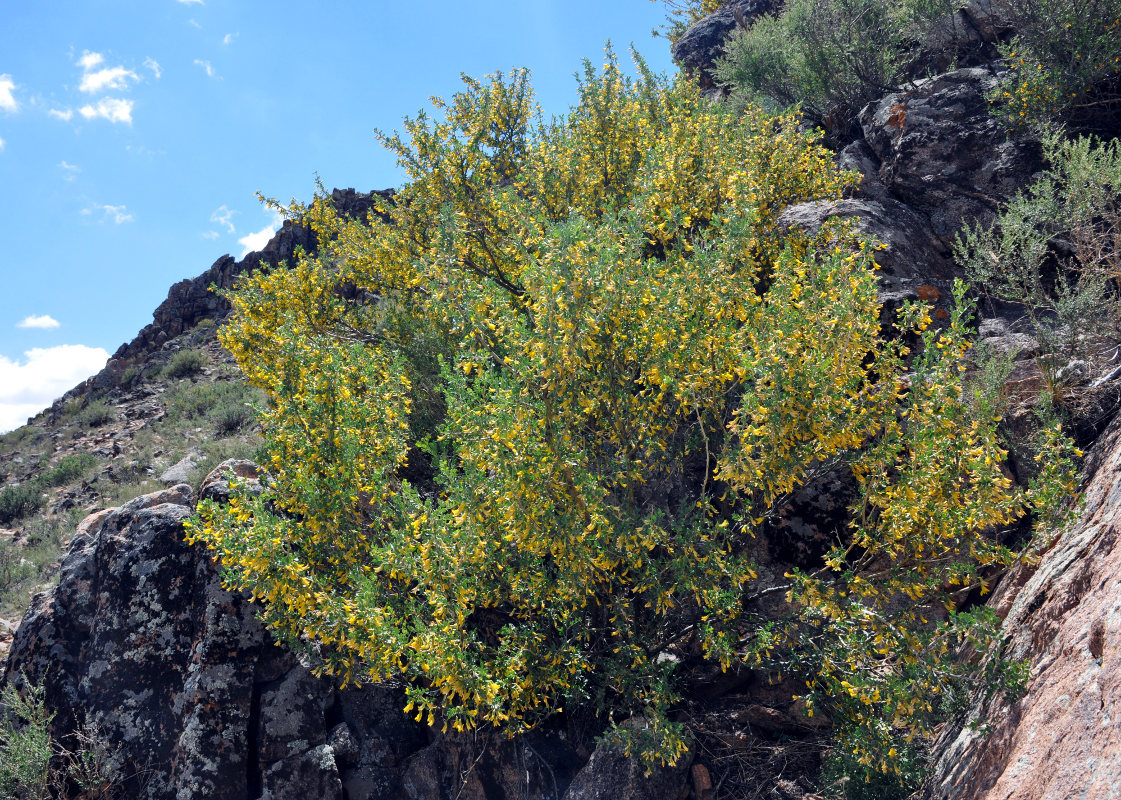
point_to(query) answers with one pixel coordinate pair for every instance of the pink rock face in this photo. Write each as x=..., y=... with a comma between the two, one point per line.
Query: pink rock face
x=1062, y=740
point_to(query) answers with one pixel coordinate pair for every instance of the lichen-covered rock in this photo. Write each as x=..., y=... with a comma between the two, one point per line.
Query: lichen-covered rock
x=1063, y=738
x=612, y=775
x=698, y=48
x=943, y=153
x=218, y=484
x=492, y=767
x=911, y=253
x=174, y=675
x=141, y=644
x=307, y=775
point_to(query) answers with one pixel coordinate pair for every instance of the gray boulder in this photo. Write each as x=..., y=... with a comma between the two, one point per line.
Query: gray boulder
x=911, y=253
x=181, y=685
x=703, y=43
x=942, y=152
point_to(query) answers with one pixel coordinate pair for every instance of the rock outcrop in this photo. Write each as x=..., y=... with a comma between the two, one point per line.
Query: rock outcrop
x=185, y=696
x=703, y=43
x=191, y=300
x=932, y=159
x=1062, y=739
x=911, y=254
x=942, y=152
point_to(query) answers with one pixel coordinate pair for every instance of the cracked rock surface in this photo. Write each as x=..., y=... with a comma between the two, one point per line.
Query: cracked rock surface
x=1063, y=738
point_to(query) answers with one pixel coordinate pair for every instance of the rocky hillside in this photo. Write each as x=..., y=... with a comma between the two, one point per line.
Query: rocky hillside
x=166, y=409
x=173, y=689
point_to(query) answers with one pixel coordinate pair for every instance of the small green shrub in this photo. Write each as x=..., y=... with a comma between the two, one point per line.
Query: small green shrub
x=19, y=436
x=96, y=414
x=25, y=743
x=1056, y=251
x=829, y=57
x=200, y=400
x=18, y=501
x=14, y=568
x=68, y=470
x=34, y=766
x=185, y=363
x=232, y=419
x=72, y=407
x=227, y=405
x=24, y=567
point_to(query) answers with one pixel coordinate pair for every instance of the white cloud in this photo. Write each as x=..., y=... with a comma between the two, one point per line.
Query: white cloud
x=228, y=39
x=258, y=240
x=110, y=108
x=90, y=60
x=194, y=24
x=7, y=99
x=27, y=387
x=70, y=172
x=117, y=214
x=65, y=115
x=44, y=321
x=152, y=64
x=210, y=235
x=223, y=216
x=192, y=2
x=1, y=144
x=104, y=80
x=210, y=73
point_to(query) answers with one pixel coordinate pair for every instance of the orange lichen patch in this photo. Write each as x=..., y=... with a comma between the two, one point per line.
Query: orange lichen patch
x=897, y=116
x=929, y=294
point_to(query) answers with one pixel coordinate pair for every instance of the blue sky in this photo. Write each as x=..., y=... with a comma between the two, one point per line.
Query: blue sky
x=135, y=133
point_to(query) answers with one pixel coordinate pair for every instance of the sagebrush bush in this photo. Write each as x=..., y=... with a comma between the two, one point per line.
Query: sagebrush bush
x=34, y=766
x=25, y=743
x=536, y=464
x=20, y=500
x=185, y=363
x=829, y=57
x=202, y=399
x=96, y=414
x=227, y=405
x=69, y=469
x=1055, y=251
x=233, y=419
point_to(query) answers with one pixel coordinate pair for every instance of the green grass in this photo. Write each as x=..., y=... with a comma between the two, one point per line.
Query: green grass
x=225, y=407
x=24, y=569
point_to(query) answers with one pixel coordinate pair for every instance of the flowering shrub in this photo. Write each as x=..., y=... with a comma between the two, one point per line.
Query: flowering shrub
x=1064, y=58
x=525, y=423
